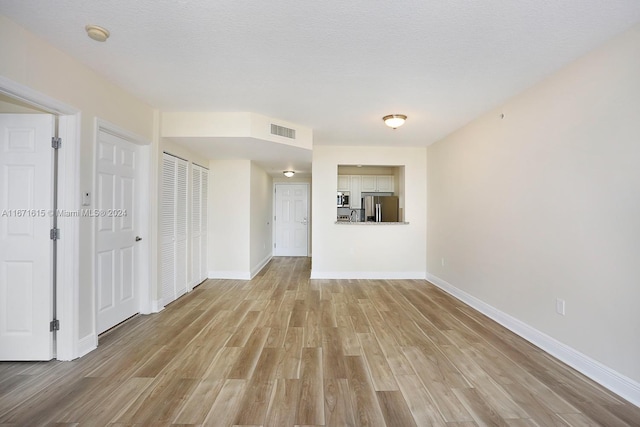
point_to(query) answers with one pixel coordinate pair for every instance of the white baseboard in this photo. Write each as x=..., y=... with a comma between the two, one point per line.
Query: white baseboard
x=87, y=344
x=230, y=274
x=603, y=375
x=373, y=275
x=260, y=266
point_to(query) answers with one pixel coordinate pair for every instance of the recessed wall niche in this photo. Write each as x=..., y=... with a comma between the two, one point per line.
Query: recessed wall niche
x=358, y=179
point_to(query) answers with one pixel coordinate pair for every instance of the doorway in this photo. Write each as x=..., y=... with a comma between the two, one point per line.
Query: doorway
x=117, y=229
x=291, y=220
x=26, y=249
x=16, y=98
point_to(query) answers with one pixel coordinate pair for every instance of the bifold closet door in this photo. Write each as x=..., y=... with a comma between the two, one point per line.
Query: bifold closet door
x=199, y=188
x=174, y=227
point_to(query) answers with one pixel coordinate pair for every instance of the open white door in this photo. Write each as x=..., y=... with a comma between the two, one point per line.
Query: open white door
x=292, y=220
x=26, y=200
x=116, y=231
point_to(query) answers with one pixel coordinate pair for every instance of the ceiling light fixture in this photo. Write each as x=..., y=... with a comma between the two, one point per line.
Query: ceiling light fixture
x=394, y=120
x=288, y=174
x=98, y=34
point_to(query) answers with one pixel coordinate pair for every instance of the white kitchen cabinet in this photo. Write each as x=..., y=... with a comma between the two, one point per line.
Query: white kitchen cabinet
x=355, y=200
x=377, y=183
x=369, y=183
x=385, y=183
x=344, y=183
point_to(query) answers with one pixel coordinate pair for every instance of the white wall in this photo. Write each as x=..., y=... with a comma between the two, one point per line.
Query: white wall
x=229, y=218
x=30, y=61
x=240, y=206
x=545, y=204
x=261, y=222
x=368, y=251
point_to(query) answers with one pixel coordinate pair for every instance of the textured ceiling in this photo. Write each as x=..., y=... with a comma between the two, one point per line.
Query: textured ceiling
x=335, y=66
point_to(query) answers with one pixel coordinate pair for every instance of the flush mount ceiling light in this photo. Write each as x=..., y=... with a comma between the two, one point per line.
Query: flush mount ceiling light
x=288, y=174
x=97, y=33
x=394, y=120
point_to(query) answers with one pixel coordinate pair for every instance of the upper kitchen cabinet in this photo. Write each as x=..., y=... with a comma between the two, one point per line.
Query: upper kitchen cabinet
x=355, y=199
x=344, y=183
x=377, y=183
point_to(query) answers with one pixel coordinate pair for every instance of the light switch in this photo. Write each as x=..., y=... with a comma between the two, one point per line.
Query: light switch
x=86, y=199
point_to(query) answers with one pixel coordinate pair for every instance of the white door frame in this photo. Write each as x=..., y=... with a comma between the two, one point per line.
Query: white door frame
x=143, y=168
x=68, y=345
x=273, y=229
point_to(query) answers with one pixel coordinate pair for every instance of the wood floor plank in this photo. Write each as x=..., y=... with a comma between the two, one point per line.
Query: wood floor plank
x=160, y=402
x=284, y=403
x=311, y=401
x=337, y=403
x=113, y=406
x=480, y=410
x=225, y=408
x=381, y=374
x=289, y=365
x=419, y=401
x=284, y=350
x=394, y=409
x=255, y=403
x=198, y=404
x=332, y=354
x=222, y=363
x=491, y=392
x=248, y=357
x=363, y=398
x=447, y=402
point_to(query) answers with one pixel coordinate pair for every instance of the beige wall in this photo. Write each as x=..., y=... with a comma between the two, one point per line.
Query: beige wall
x=240, y=206
x=30, y=61
x=229, y=218
x=545, y=203
x=261, y=221
x=380, y=251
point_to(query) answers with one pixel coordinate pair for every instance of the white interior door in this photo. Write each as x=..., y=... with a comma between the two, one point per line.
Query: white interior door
x=116, y=231
x=26, y=200
x=292, y=220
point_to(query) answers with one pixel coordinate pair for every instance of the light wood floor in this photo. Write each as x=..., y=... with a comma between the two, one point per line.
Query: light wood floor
x=283, y=350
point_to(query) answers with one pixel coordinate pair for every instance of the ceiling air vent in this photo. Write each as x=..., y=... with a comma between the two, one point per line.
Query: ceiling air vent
x=283, y=131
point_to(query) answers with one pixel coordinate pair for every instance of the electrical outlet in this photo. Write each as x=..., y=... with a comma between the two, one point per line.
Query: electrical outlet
x=442, y=261
x=560, y=306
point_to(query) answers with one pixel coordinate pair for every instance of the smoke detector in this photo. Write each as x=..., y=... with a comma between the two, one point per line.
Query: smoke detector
x=97, y=33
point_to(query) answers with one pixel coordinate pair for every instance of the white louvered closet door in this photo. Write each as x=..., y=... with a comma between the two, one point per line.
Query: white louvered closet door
x=182, y=227
x=204, y=274
x=173, y=228
x=167, y=228
x=199, y=187
x=196, y=206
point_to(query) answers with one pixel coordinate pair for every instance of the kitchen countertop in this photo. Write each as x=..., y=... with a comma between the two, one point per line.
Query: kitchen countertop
x=371, y=223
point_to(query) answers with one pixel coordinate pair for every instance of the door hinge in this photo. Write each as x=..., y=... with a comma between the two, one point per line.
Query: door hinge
x=56, y=142
x=54, y=234
x=54, y=325
x=274, y=245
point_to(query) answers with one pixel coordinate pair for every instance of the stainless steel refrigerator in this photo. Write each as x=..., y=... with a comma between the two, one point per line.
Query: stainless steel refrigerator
x=381, y=208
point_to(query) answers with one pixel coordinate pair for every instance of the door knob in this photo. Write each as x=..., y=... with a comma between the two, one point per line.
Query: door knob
x=138, y=238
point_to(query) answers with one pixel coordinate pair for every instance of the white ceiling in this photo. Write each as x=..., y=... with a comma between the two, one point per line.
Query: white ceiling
x=335, y=66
